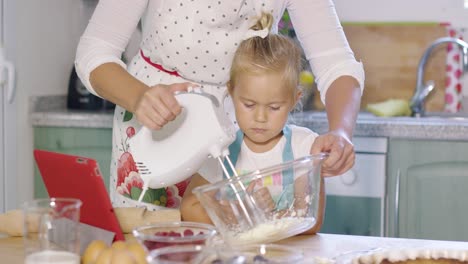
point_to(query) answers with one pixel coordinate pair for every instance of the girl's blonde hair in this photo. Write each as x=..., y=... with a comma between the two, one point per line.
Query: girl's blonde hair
x=275, y=53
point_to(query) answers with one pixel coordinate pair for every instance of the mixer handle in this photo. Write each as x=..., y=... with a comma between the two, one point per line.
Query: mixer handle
x=145, y=132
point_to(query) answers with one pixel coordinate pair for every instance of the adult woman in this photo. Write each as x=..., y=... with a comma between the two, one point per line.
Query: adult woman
x=186, y=42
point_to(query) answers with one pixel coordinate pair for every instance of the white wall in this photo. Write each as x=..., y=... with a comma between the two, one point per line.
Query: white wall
x=47, y=32
x=452, y=11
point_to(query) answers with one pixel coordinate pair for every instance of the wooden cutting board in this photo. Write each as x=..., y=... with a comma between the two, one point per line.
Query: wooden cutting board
x=390, y=53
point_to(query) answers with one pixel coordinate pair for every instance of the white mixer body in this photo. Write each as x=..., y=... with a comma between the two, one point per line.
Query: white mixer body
x=180, y=148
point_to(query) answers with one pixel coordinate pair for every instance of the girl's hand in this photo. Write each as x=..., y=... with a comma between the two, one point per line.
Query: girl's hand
x=262, y=197
x=226, y=213
x=158, y=105
x=341, y=152
x=264, y=200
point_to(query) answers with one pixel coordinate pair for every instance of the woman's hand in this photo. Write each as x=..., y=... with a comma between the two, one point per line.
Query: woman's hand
x=158, y=105
x=341, y=152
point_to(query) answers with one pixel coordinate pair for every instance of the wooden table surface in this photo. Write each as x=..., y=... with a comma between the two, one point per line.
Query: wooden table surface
x=320, y=246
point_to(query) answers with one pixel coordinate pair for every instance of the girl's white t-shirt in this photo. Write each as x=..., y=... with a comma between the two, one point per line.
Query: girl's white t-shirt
x=301, y=142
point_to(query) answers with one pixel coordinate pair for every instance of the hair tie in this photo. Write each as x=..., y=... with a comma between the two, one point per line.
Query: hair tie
x=256, y=33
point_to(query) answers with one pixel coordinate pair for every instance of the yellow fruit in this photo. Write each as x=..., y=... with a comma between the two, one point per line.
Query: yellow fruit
x=391, y=107
x=93, y=250
x=137, y=251
x=306, y=78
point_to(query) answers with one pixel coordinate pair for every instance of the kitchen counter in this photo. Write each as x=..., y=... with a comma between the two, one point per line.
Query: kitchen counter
x=318, y=247
x=51, y=111
x=369, y=125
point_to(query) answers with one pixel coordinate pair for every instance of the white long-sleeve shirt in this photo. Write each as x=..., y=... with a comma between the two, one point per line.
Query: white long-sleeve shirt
x=198, y=38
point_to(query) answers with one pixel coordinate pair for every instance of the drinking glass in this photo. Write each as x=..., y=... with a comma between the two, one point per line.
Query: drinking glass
x=51, y=231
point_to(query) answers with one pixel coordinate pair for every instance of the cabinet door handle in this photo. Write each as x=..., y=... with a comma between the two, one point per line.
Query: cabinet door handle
x=397, y=204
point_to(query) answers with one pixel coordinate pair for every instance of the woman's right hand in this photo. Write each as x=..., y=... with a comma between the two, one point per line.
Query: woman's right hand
x=158, y=105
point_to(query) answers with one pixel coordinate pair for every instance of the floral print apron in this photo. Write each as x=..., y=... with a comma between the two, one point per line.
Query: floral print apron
x=196, y=43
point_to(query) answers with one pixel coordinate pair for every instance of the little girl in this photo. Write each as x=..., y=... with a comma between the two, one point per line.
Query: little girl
x=264, y=89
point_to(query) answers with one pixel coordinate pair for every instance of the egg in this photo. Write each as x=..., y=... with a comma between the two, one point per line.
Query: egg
x=119, y=252
x=93, y=250
x=119, y=245
x=105, y=257
x=137, y=251
x=122, y=256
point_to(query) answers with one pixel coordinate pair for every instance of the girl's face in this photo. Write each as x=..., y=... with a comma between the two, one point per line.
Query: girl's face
x=262, y=105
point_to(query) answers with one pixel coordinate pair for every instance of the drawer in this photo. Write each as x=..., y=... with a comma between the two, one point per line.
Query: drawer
x=370, y=144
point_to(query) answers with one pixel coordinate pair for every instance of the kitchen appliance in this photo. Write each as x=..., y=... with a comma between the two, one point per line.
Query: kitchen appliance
x=356, y=199
x=177, y=151
x=8, y=106
x=81, y=99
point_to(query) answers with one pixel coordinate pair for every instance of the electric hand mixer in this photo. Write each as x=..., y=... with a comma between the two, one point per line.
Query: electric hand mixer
x=174, y=153
x=177, y=151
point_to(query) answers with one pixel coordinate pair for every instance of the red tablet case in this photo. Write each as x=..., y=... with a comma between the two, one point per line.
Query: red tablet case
x=79, y=177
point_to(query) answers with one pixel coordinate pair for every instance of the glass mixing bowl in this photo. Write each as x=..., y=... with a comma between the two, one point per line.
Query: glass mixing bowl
x=166, y=234
x=266, y=205
x=253, y=254
x=184, y=254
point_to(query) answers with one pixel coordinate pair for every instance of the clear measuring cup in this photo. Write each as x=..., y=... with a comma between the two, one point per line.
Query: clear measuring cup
x=51, y=231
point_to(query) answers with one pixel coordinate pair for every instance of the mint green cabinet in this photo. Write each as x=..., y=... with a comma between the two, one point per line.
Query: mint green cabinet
x=93, y=143
x=428, y=189
x=352, y=216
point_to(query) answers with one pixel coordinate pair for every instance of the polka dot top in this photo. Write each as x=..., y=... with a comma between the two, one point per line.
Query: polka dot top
x=198, y=38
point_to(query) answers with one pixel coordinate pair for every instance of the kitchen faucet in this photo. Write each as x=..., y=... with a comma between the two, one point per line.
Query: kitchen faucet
x=423, y=90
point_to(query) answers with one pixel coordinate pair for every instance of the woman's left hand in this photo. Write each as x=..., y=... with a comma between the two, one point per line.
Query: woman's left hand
x=341, y=152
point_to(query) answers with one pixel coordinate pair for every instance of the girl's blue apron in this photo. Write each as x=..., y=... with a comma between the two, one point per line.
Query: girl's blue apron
x=284, y=200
